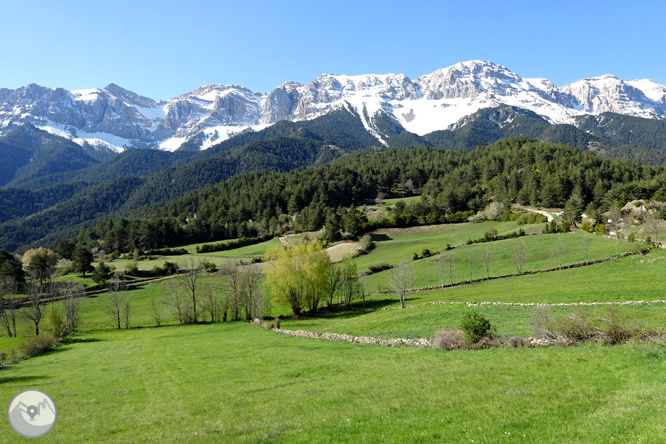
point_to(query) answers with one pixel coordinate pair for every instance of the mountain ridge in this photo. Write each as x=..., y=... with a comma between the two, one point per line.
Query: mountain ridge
x=112, y=118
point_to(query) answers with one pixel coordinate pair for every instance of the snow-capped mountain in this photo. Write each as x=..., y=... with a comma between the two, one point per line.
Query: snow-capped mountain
x=113, y=117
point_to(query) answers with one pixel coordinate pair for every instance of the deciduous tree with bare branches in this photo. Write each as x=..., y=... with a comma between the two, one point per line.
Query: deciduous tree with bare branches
x=8, y=289
x=72, y=294
x=118, y=306
x=34, y=310
x=401, y=277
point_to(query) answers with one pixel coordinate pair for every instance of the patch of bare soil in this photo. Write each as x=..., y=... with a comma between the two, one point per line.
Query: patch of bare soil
x=338, y=250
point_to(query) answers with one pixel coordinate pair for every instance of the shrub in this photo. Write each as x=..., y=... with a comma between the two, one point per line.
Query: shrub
x=38, y=344
x=616, y=328
x=476, y=218
x=475, y=326
x=494, y=211
x=56, y=322
x=170, y=268
x=3, y=357
x=632, y=237
x=64, y=266
x=587, y=226
x=415, y=257
x=277, y=323
x=600, y=229
x=132, y=269
x=450, y=340
x=490, y=234
x=376, y=268
x=512, y=341
x=208, y=266
x=574, y=328
x=426, y=253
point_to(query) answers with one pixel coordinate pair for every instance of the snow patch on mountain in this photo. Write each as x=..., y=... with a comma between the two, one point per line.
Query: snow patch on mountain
x=114, y=117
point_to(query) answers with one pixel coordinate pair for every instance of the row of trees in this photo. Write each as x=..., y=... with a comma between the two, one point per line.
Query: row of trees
x=64, y=300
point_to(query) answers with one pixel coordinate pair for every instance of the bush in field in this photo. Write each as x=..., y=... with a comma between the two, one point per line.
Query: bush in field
x=494, y=211
x=376, y=268
x=132, y=269
x=38, y=344
x=475, y=327
x=490, y=234
x=208, y=266
x=450, y=340
x=56, y=322
x=613, y=327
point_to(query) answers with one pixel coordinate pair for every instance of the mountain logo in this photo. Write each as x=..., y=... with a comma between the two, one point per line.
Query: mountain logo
x=32, y=413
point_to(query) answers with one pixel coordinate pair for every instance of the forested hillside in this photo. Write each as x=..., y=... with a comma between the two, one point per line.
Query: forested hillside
x=450, y=182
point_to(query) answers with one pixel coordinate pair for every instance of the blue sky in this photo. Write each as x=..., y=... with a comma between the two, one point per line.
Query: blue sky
x=163, y=49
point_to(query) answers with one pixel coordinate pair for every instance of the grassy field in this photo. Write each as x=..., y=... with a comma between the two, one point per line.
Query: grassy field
x=539, y=254
x=240, y=383
x=236, y=382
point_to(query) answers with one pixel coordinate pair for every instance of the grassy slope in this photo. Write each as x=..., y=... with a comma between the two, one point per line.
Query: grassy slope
x=236, y=382
x=239, y=383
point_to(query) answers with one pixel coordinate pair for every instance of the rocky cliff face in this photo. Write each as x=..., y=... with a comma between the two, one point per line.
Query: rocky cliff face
x=113, y=117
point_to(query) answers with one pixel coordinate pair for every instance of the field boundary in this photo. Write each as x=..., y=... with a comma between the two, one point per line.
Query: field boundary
x=419, y=342
x=524, y=273
x=525, y=304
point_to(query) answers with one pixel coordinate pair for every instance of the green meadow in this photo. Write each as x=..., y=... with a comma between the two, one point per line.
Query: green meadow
x=237, y=382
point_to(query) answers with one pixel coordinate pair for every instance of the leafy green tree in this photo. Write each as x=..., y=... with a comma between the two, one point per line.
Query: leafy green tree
x=11, y=267
x=39, y=268
x=332, y=228
x=66, y=248
x=572, y=211
x=82, y=260
x=102, y=274
x=299, y=276
x=476, y=327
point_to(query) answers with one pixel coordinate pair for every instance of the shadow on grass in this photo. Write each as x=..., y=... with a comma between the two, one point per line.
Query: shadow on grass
x=374, y=237
x=357, y=309
x=80, y=340
x=14, y=379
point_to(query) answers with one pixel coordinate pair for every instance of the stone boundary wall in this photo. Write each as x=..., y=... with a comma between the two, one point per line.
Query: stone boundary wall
x=348, y=338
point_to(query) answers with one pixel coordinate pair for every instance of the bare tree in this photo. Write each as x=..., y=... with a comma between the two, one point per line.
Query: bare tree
x=380, y=198
x=127, y=313
x=586, y=249
x=34, y=311
x=157, y=311
x=231, y=270
x=401, y=277
x=9, y=288
x=363, y=286
x=470, y=262
x=211, y=305
x=486, y=260
x=252, y=296
x=190, y=278
x=519, y=255
x=653, y=224
x=334, y=278
x=175, y=302
x=449, y=260
x=615, y=220
x=118, y=306
x=72, y=293
x=440, y=263
x=559, y=250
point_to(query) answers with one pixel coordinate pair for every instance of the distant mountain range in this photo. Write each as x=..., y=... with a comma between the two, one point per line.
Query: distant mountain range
x=70, y=160
x=113, y=118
